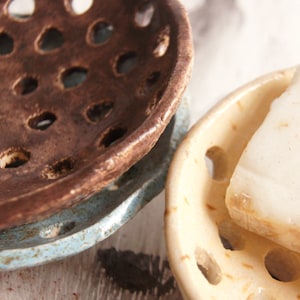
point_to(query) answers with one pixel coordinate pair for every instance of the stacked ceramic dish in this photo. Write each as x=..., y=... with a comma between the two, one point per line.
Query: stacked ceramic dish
x=85, y=95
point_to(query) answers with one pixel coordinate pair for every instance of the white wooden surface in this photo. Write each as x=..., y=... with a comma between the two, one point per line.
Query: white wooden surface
x=235, y=41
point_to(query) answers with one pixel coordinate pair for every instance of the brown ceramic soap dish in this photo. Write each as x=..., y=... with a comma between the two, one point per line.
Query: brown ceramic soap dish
x=83, y=97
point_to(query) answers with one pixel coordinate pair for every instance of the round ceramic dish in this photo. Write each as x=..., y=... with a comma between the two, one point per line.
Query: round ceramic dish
x=84, y=96
x=212, y=257
x=78, y=228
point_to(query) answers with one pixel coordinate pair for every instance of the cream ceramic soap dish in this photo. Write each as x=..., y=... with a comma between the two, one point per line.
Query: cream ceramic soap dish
x=212, y=257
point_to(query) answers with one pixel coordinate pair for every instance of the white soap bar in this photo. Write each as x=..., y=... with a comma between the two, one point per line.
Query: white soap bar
x=264, y=191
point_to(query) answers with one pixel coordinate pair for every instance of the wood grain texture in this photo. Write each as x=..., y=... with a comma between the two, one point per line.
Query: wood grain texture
x=235, y=41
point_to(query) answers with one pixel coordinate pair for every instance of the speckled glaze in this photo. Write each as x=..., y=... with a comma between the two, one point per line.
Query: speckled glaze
x=83, y=97
x=210, y=256
x=76, y=229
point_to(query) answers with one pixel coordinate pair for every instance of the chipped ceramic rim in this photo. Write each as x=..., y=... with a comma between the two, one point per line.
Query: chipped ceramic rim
x=79, y=228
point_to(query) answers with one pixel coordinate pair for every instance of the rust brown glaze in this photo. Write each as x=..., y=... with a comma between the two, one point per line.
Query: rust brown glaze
x=43, y=113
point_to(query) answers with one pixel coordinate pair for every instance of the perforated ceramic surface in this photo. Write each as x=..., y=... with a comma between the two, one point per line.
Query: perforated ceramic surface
x=211, y=256
x=78, y=228
x=84, y=95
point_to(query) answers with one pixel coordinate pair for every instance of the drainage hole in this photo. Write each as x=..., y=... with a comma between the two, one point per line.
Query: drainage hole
x=112, y=135
x=6, y=44
x=126, y=63
x=144, y=14
x=26, y=85
x=73, y=77
x=59, y=168
x=56, y=230
x=99, y=111
x=283, y=265
x=79, y=7
x=162, y=43
x=208, y=267
x=50, y=40
x=21, y=9
x=100, y=32
x=42, y=121
x=14, y=157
